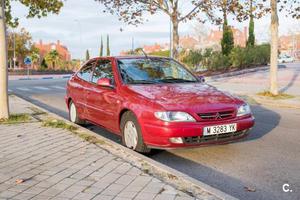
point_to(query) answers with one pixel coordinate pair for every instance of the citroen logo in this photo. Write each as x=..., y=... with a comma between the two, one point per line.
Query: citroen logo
x=218, y=116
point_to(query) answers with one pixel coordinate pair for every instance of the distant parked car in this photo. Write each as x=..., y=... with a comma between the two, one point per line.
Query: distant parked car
x=285, y=59
x=155, y=102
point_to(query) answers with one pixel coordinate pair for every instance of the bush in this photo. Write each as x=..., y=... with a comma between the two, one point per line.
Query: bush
x=218, y=61
x=193, y=59
x=250, y=56
x=165, y=53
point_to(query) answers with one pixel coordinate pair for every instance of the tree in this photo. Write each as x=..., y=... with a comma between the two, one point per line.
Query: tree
x=132, y=11
x=35, y=56
x=251, y=36
x=21, y=43
x=227, y=41
x=274, y=48
x=107, y=46
x=259, y=8
x=101, y=48
x=52, y=58
x=35, y=9
x=87, y=55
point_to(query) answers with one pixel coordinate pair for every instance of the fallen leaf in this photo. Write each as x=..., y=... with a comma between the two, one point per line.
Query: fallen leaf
x=19, y=181
x=249, y=189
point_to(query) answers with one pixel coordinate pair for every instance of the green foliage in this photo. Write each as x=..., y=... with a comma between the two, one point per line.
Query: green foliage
x=238, y=58
x=37, y=8
x=44, y=64
x=22, y=41
x=52, y=58
x=16, y=118
x=55, y=123
x=87, y=55
x=101, y=48
x=218, y=61
x=251, y=37
x=246, y=57
x=193, y=59
x=107, y=46
x=227, y=41
x=161, y=53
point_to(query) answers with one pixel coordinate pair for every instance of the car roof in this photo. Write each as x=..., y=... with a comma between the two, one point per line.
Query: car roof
x=128, y=57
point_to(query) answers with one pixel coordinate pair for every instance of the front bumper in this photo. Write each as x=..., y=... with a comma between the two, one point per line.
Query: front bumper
x=158, y=135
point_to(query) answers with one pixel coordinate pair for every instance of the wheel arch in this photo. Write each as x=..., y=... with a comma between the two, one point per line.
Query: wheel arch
x=68, y=102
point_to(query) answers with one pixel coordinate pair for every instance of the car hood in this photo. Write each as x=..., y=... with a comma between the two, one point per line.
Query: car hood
x=188, y=96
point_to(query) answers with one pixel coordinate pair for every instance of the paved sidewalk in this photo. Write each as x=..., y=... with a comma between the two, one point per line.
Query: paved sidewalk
x=38, y=162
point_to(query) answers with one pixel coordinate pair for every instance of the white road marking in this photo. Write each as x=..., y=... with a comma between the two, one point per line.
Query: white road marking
x=23, y=89
x=41, y=88
x=59, y=87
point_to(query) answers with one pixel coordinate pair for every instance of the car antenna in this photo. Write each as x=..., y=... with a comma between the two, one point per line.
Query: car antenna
x=141, y=49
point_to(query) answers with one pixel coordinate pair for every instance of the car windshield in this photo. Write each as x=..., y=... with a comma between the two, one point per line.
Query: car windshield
x=153, y=70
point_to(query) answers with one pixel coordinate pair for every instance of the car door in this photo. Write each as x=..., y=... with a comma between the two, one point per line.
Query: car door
x=102, y=101
x=80, y=84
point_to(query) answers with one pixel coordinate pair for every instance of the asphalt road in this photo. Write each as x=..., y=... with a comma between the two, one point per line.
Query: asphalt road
x=255, y=168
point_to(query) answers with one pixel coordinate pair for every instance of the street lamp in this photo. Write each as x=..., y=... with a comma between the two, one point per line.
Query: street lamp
x=170, y=47
x=14, y=58
x=80, y=32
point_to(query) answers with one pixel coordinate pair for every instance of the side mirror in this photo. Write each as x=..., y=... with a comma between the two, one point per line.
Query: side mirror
x=104, y=82
x=201, y=79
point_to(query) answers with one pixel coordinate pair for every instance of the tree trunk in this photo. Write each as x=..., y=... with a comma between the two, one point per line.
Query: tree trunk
x=274, y=48
x=4, y=109
x=175, y=38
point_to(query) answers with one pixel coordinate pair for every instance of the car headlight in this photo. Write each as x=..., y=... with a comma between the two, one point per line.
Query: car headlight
x=244, y=110
x=174, y=116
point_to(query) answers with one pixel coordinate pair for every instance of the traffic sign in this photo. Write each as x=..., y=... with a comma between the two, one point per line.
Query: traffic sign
x=27, y=60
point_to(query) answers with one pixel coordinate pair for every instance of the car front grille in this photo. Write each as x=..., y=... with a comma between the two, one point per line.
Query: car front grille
x=213, y=116
x=214, y=138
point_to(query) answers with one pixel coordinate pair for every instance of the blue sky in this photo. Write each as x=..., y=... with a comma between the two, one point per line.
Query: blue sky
x=81, y=23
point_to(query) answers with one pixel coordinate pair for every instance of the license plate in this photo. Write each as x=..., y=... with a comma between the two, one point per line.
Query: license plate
x=219, y=129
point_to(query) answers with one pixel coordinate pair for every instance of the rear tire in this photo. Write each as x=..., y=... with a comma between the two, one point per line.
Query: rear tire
x=131, y=133
x=73, y=114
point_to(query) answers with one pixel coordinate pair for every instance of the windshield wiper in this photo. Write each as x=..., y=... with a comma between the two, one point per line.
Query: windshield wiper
x=176, y=80
x=142, y=82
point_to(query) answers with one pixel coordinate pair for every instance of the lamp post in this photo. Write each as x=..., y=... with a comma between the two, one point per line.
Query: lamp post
x=170, y=47
x=80, y=34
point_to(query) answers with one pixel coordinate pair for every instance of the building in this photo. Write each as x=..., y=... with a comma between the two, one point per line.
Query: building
x=290, y=45
x=155, y=48
x=213, y=40
x=188, y=42
x=45, y=48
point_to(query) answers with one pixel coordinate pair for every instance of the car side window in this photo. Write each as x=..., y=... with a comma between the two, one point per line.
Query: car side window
x=103, y=69
x=86, y=71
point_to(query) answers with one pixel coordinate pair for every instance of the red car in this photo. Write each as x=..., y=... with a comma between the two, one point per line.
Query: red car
x=155, y=102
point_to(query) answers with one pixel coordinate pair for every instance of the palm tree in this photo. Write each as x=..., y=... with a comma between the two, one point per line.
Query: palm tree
x=52, y=57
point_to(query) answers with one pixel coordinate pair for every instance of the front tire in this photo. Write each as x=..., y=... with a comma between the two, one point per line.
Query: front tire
x=131, y=133
x=73, y=114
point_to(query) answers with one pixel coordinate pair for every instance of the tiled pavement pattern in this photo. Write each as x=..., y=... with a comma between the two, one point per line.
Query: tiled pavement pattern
x=58, y=165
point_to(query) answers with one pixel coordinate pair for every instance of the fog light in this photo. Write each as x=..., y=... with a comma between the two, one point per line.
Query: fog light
x=176, y=140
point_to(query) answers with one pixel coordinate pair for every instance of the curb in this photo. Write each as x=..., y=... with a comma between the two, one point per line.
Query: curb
x=293, y=104
x=181, y=181
x=241, y=72
x=42, y=78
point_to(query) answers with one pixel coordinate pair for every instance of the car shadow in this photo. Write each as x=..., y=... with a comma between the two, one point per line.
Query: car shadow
x=266, y=121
